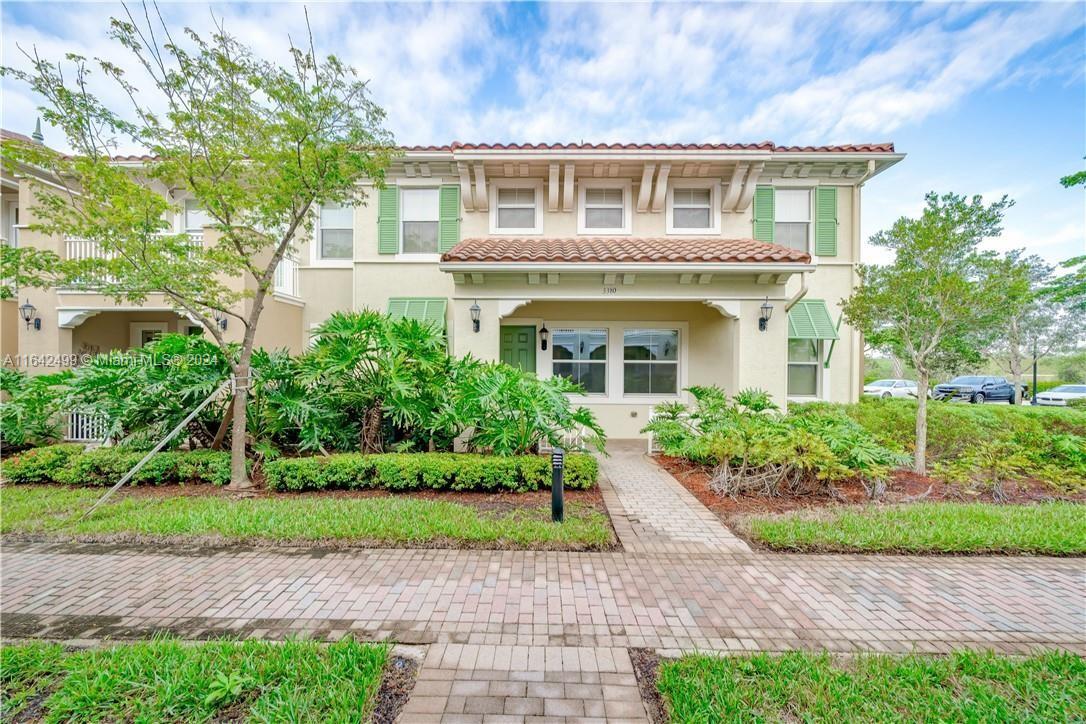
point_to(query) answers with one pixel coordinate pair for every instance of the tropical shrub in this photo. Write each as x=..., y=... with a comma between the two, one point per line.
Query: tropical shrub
x=435, y=471
x=506, y=411
x=752, y=448
x=145, y=392
x=69, y=465
x=30, y=412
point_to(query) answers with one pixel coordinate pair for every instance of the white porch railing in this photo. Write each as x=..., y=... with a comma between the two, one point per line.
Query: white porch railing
x=83, y=427
x=286, y=277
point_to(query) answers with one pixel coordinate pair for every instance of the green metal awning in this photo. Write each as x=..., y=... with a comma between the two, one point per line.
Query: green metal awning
x=424, y=309
x=810, y=319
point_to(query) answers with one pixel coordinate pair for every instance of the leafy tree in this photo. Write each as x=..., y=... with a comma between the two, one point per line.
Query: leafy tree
x=256, y=144
x=1036, y=325
x=31, y=411
x=1070, y=288
x=937, y=304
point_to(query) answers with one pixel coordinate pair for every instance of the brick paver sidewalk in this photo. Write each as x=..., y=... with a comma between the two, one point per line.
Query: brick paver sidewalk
x=652, y=512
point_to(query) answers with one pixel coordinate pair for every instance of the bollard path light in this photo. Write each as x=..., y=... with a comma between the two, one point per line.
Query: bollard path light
x=558, y=503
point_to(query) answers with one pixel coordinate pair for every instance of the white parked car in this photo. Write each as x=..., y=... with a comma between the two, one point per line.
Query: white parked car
x=1060, y=395
x=890, y=388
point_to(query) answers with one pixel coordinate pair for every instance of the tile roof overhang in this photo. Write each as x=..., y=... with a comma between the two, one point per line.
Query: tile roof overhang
x=644, y=253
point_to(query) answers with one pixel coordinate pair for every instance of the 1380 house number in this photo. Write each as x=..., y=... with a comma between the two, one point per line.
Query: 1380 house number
x=610, y=290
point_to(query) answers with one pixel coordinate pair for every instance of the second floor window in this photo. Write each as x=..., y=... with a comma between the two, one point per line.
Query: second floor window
x=336, y=232
x=692, y=209
x=420, y=221
x=604, y=209
x=515, y=210
x=196, y=218
x=792, y=223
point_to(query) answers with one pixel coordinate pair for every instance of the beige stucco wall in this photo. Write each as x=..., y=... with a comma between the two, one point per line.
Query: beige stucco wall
x=9, y=332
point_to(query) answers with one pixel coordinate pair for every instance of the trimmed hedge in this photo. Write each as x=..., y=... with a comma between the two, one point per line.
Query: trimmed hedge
x=437, y=471
x=69, y=465
x=104, y=466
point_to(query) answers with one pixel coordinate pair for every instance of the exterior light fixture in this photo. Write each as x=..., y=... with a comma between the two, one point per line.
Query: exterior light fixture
x=544, y=336
x=475, y=310
x=29, y=314
x=220, y=318
x=767, y=312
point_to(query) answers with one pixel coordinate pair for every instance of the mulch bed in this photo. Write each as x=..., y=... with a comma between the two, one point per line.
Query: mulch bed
x=396, y=686
x=646, y=665
x=903, y=487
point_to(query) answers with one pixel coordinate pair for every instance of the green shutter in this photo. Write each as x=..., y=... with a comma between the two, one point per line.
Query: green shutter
x=448, y=233
x=764, y=203
x=810, y=319
x=388, y=220
x=826, y=221
x=424, y=309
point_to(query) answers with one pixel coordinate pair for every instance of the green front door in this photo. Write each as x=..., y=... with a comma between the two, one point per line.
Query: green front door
x=518, y=347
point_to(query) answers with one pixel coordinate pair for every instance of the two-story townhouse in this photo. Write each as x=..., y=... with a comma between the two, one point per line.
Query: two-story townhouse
x=635, y=269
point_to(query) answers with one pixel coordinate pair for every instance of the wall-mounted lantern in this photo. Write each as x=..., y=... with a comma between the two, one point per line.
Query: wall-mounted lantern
x=475, y=310
x=544, y=337
x=767, y=312
x=220, y=318
x=29, y=314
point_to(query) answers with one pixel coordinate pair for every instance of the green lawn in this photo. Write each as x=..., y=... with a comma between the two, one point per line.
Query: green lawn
x=386, y=520
x=1049, y=528
x=964, y=687
x=166, y=680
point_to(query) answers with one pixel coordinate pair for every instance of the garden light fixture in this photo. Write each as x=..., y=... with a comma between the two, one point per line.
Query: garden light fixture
x=544, y=335
x=767, y=312
x=475, y=310
x=29, y=314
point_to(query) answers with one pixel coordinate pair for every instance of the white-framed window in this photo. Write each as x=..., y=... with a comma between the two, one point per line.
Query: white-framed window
x=196, y=217
x=693, y=208
x=792, y=218
x=335, y=233
x=650, y=362
x=419, y=216
x=581, y=355
x=515, y=207
x=804, y=367
x=604, y=207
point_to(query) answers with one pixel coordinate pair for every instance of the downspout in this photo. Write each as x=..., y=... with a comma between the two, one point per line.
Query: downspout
x=798, y=295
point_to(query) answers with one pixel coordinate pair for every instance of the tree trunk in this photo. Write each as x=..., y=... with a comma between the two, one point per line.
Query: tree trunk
x=897, y=367
x=920, y=454
x=239, y=475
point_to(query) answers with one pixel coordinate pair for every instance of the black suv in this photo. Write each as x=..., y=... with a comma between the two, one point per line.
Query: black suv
x=975, y=389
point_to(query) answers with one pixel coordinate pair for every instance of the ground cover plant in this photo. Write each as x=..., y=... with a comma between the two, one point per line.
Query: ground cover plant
x=385, y=520
x=167, y=680
x=1056, y=528
x=963, y=687
x=982, y=445
x=753, y=448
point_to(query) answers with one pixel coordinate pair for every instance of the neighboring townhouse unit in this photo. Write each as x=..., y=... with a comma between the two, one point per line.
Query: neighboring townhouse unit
x=635, y=269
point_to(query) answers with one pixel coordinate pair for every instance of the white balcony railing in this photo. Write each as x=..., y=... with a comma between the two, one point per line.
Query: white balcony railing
x=79, y=249
x=286, y=277
x=83, y=427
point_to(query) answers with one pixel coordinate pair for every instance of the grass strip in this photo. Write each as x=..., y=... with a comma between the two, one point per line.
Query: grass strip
x=963, y=687
x=399, y=520
x=1056, y=528
x=167, y=680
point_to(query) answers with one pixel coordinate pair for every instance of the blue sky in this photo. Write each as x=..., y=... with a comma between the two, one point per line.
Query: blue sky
x=984, y=98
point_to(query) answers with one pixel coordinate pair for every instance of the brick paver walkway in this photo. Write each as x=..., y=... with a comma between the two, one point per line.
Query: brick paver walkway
x=653, y=512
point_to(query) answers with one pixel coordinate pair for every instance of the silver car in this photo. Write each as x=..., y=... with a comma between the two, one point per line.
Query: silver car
x=890, y=388
x=1061, y=395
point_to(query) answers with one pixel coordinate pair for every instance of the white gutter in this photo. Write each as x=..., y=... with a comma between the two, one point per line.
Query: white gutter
x=798, y=295
x=647, y=267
